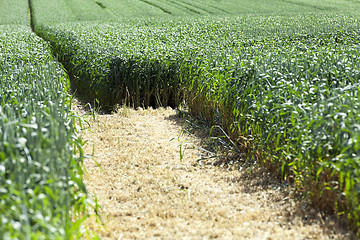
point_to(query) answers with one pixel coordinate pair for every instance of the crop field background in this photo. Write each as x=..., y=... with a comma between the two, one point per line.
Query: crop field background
x=14, y=12
x=280, y=76
x=85, y=10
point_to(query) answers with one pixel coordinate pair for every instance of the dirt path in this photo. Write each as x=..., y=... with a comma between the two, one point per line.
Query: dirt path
x=147, y=192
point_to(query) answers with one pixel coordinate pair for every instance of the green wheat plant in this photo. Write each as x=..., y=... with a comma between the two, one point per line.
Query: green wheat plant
x=42, y=195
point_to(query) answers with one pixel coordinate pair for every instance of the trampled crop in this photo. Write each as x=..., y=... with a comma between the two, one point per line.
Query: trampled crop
x=287, y=90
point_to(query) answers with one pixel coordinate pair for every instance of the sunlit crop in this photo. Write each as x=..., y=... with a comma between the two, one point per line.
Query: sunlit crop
x=41, y=190
x=286, y=90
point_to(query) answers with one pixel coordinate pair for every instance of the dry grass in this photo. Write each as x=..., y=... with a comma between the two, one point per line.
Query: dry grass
x=146, y=192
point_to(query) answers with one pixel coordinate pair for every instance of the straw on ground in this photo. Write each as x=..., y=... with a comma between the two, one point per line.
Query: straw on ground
x=146, y=192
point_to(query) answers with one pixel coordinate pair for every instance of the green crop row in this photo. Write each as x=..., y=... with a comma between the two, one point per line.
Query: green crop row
x=42, y=195
x=286, y=88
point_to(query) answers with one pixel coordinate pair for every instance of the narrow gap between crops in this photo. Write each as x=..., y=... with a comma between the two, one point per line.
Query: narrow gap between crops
x=31, y=16
x=157, y=6
x=73, y=90
x=147, y=191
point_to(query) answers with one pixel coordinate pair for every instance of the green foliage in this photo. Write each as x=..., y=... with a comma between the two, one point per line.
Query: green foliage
x=42, y=195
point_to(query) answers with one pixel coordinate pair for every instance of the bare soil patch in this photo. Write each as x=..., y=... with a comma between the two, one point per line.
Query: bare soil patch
x=147, y=192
